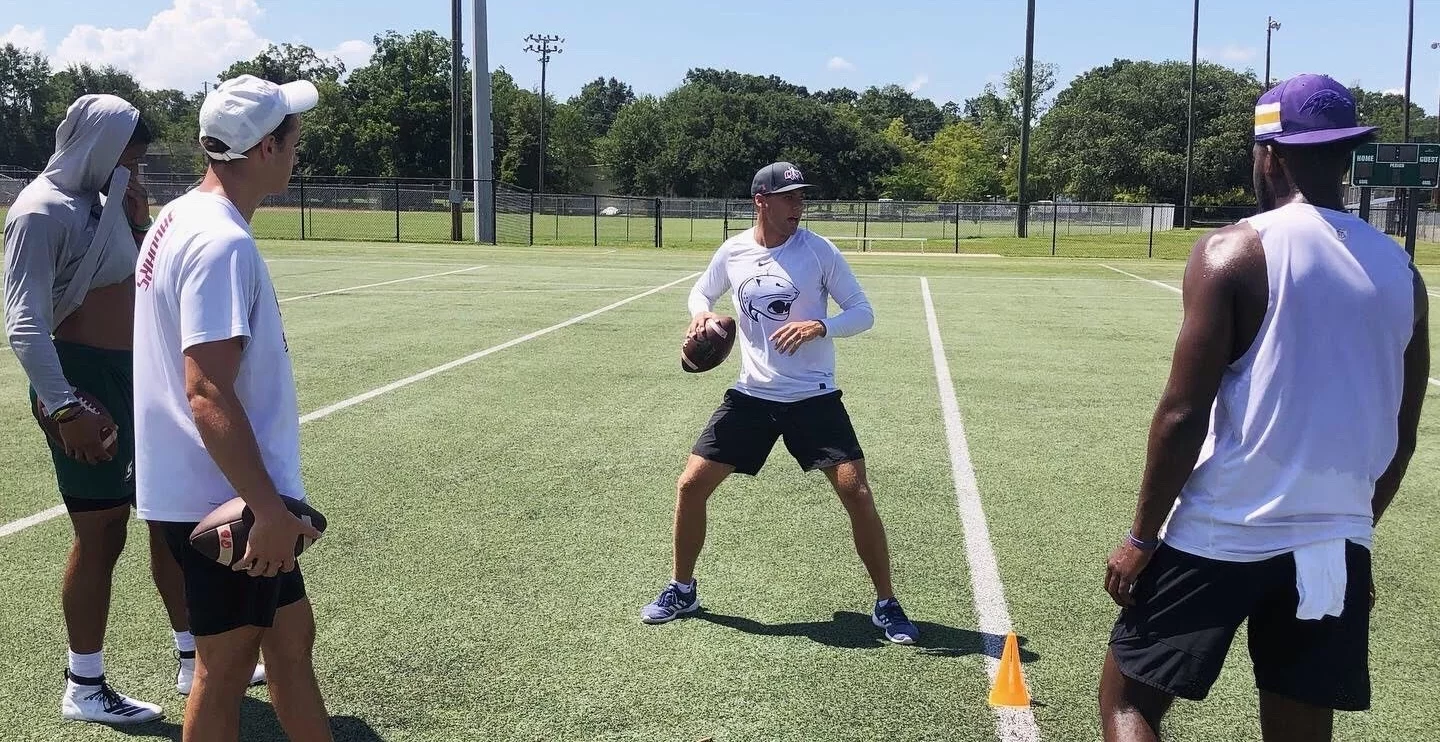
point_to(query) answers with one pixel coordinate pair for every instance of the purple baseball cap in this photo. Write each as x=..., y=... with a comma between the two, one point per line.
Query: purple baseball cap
x=1307, y=109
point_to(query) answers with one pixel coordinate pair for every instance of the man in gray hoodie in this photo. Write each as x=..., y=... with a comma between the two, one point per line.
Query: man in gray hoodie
x=71, y=243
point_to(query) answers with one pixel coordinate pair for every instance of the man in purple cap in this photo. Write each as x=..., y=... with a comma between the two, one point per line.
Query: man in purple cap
x=782, y=277
x=1284, y=431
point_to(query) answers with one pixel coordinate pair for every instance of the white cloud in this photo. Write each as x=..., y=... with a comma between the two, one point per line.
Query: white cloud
x=24, y=38
x=920, y=81
x=1231, y=53
x=355, y=54
x=182, y=45
x=839, y=64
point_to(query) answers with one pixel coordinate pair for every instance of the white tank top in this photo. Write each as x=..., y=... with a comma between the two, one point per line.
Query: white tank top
x=1305, y=422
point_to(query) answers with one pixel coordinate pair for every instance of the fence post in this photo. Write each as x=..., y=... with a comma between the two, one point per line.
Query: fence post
x=397, y=209
x=659, y=225
x=302, y=207
x=596, y=220
x=725, y=223
x=957, y=228
x=1054, y=222
x=1152, y=231
x=532, y=218
x=864, y=225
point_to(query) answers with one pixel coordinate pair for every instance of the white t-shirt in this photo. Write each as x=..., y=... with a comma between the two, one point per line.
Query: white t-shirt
x=790, y=282
x=200, y=278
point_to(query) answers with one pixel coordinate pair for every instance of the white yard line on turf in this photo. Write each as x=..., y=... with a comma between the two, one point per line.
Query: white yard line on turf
x=1012, y=725
x=382, y=283
x=1165, y=286
x=26, y=522
x=41, y=517
x=1433, y=380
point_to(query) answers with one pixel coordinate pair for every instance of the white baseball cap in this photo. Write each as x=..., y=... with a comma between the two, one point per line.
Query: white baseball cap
x=242, y=111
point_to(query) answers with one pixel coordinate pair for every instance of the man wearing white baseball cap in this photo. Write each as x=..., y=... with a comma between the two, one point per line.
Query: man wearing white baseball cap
x=216, y=415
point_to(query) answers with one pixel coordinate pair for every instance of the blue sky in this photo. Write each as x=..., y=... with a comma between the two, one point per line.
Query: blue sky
x=943, y=49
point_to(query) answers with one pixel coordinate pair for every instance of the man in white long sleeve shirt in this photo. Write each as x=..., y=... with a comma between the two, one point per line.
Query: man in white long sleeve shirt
x=782, y=278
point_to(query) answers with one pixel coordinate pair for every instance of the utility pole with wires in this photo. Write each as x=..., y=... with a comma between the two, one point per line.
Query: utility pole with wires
x=544, y=46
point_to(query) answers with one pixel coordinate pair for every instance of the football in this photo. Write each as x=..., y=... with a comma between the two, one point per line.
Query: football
x=52, y=428
x=709, y=348
x=222, y=534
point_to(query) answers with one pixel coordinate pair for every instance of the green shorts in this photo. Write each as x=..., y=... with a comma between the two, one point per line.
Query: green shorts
x=107, y=375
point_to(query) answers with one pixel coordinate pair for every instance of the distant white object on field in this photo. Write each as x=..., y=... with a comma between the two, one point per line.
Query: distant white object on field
x=610, y=211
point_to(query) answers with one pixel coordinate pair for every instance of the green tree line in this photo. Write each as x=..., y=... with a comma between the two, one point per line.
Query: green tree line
x=1116, y=132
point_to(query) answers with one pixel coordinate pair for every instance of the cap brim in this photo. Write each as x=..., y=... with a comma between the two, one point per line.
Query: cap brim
x=299, y=96
x=1324, y=136
x=793, y=187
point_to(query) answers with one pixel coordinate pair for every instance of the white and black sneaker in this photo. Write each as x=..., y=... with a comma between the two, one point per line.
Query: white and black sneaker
x=185, y=678
x=92, y=699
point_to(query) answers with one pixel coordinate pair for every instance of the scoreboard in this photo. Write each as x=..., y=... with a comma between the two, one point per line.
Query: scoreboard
x=1412, y=165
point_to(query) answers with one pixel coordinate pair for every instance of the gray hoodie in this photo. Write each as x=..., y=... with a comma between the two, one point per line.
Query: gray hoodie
x=63, y=237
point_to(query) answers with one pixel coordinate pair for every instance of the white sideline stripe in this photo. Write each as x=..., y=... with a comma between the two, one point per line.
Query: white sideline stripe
x=1146, y=280
x=23, y=523
x=41, y=517
x=1433, y=380
x=407, y=381
x=382, y=283
x=1011, y=725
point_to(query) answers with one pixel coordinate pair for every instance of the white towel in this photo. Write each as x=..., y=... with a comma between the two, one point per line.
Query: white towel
x=1320, y=579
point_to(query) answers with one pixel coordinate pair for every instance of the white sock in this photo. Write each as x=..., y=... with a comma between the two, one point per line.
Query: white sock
x=685, y=587
x=88, y=665
x=184, y=641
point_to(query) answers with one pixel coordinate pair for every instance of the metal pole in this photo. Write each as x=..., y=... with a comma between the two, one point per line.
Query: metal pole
x=302, y=207
x=543, y=46
x=1152, y=231
x=454, y=225
x=1190, y=117
x=595, y=211
x=457, y=130
x=1022, y=214
x=1270, y=25
x=1054, y=221
x=482, y=130
x=1412, y=200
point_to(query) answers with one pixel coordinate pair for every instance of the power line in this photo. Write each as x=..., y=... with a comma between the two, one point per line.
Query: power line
x=543, y=45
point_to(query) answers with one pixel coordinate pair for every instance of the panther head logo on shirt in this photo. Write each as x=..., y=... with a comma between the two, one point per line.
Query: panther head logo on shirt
x=768, y=296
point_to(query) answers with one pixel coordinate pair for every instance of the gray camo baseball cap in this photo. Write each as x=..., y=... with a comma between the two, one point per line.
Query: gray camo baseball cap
x=778, y=177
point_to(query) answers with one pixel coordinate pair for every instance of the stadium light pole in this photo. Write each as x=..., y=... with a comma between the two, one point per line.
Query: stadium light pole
x=1270, y=25
x=1190, y=117
x=457, y=124
x=542, y=46
x=482, y=127
x=1023, y=224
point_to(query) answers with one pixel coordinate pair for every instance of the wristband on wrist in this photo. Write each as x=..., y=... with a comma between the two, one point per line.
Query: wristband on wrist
x=1141, y=544
x=66, y=413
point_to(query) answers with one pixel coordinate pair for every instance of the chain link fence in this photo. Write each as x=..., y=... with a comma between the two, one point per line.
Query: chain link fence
x=420, y=210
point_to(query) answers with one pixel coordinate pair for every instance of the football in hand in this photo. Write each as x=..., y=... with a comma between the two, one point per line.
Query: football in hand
x=709, y=347
x=89, y=402
x=222, y=535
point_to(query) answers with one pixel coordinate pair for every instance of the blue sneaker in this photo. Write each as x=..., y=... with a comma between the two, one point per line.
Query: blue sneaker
x=671, y=604
x=891, y=617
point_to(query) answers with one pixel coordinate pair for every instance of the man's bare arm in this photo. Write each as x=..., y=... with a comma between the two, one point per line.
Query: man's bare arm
x=1417, y=376
x=1203, y=350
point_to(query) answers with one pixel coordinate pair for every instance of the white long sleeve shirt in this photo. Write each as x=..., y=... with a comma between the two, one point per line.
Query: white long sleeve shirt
x=775, y=286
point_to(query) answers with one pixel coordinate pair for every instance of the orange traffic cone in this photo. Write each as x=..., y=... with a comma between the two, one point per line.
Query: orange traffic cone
x=1009, y=689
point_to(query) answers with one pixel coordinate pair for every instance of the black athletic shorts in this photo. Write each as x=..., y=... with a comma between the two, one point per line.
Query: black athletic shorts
x=218, y=598
x=817, y=431
x=1187, y=610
